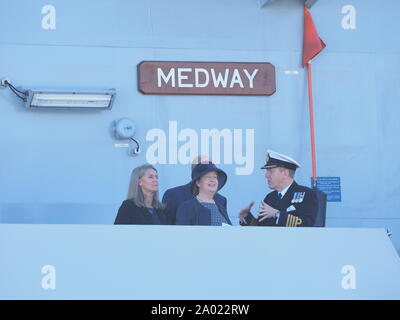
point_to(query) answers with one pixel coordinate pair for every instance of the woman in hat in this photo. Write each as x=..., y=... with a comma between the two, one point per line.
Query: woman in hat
x=207, y=180
x=142, y=205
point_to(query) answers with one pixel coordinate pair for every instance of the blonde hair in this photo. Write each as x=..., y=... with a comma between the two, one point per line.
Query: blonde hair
x=135, y=192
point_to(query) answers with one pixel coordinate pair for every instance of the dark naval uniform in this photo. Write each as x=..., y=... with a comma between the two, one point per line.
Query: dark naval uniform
x=299, y=205
x=297, y=208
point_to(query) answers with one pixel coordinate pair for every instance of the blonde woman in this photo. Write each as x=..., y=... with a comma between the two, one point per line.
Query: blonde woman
x=142, y=205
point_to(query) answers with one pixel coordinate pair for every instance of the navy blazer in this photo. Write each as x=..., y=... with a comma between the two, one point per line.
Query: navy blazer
x=191, y=212
x=174, y=197
x=130, y=213
x=298, y=208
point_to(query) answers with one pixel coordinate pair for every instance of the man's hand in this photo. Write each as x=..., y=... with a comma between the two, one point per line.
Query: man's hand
x=266, y=211
x=244, y=213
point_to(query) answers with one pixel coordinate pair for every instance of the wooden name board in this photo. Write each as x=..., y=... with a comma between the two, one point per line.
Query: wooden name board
x=207, y=78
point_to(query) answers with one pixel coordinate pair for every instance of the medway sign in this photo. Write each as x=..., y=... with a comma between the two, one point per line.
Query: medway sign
x=207, y=78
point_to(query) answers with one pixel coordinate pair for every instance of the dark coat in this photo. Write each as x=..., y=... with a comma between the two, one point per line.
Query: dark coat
x=191, y=212
x=174, y=197
x=298, y=208
x=130, y=213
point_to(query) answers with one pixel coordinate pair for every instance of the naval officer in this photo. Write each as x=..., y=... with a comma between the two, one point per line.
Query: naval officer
x=290, y=204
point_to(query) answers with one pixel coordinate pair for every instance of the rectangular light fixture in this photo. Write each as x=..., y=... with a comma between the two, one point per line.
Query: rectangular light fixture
x=63, y=99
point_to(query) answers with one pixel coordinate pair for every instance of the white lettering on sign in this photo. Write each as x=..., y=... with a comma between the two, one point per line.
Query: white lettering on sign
x=121, y=145
x=49, y=20
x=207, y=78
x=250, y=76
x=189, y=78
x=183, y=77
x=171, y=75
x=291, y=72
x=236, y=79
x=197, y=72
x=217, y=80
x=349, y=20
x=159, y=150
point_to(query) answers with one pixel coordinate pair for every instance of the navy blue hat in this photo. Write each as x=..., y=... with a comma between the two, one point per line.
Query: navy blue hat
x=203, y=168
x=275, y=159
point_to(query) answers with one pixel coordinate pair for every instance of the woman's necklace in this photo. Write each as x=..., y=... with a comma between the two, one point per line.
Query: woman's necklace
x=208, y=201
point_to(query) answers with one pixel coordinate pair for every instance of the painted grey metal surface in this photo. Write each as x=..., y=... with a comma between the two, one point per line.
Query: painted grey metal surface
x=308, y=3
x=153, y=262
x=67, y=167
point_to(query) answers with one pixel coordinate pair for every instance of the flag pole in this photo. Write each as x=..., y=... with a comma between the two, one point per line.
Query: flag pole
x=312, y=45
x=310, y=100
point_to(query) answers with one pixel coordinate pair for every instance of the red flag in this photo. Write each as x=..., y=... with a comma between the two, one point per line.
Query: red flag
x=312, y=44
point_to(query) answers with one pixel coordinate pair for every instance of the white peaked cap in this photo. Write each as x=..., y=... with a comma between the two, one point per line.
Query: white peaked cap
x=275, y=159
